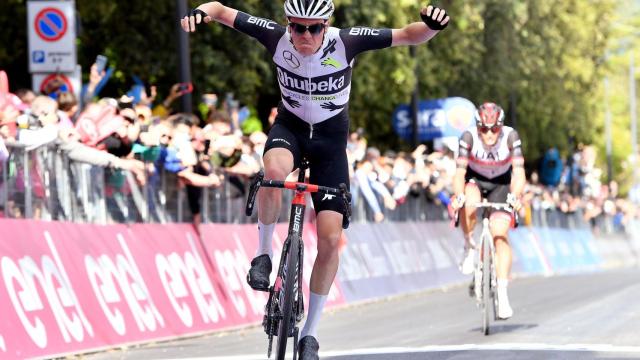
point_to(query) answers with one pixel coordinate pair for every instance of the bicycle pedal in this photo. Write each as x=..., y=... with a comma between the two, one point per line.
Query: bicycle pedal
x=472, y=289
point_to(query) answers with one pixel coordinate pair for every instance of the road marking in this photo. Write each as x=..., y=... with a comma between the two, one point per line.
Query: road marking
x=600, y=348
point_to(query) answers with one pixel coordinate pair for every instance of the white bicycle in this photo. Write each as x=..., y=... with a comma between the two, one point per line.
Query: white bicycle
x=484, y=283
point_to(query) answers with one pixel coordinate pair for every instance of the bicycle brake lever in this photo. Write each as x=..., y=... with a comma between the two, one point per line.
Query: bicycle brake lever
x=253, y=190
x=346, y=199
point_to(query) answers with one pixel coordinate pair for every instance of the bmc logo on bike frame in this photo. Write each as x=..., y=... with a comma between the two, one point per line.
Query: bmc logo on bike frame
x=267, y=24
x=364, y=31
x=297, y=219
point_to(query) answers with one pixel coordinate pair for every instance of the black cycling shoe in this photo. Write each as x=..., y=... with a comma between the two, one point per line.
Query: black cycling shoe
x=308, y=348
x=258, y=276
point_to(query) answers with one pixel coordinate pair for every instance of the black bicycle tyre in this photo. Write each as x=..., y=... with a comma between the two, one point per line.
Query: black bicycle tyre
x=287, y=307
x=486, y=284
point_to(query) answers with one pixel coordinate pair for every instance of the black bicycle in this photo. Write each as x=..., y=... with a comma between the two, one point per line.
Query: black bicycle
x=285, y=307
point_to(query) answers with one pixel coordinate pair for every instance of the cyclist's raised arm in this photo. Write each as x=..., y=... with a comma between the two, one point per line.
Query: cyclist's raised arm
x=465, y=145
x=268, y=32
x=518, y=177
x=433, y=20
x=207, y=12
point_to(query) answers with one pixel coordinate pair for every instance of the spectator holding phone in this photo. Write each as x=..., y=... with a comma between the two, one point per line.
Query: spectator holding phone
x=97, y=77
x=176, y=92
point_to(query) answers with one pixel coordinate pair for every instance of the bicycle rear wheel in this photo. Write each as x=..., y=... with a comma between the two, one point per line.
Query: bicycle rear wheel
x=290, y=278
x=487, y=304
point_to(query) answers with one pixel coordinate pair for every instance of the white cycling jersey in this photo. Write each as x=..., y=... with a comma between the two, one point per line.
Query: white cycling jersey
x=490, y=162
x=316, y=87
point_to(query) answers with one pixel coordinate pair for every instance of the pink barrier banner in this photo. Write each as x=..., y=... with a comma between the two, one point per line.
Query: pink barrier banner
x=231, y=248
x=70, y=288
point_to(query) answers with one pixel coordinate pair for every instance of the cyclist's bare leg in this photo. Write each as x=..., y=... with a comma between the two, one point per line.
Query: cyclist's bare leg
x=499, y=226
x=278, y=163
x=329, y=224
x=500, y=223
x=468, y=216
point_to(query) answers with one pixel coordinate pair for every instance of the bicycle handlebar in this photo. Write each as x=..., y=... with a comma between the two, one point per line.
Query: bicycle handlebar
x=494, y=206
x=259, y=181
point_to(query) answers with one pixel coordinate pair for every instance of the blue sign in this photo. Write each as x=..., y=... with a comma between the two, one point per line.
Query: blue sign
x=436, y=118
x=38, y=57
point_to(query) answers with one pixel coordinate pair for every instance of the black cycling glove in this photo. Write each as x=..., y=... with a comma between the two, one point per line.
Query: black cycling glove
x=432, y=21
x=195, y=12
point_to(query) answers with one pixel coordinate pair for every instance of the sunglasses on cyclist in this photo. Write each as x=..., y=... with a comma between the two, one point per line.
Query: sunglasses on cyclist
x=314, y=29
x=494, y=129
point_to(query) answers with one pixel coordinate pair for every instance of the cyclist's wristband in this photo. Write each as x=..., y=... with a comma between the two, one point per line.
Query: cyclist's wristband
x=432, y=23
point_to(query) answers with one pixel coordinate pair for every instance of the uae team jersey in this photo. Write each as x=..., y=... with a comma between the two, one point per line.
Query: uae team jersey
x=490, y=162
x=315, y=87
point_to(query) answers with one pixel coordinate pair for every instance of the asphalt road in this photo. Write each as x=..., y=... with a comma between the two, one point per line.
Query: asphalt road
x=587, y=316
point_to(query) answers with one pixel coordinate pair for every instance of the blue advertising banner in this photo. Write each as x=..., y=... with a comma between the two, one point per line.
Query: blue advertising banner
x=436, y=118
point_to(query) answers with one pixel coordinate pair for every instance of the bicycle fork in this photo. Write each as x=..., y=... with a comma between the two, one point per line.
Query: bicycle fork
x=484, y=237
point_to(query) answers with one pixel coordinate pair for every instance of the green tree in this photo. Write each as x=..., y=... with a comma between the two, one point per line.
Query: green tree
x=541, y=60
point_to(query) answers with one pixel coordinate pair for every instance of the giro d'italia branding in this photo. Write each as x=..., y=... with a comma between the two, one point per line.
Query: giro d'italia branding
x=321, y=85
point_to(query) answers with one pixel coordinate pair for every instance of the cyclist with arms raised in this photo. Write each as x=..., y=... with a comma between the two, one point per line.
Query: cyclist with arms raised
x=490, y=165
x=314, y=65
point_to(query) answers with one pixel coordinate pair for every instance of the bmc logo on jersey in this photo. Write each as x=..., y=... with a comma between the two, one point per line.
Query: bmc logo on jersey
x=364, y=31
x=267, y=24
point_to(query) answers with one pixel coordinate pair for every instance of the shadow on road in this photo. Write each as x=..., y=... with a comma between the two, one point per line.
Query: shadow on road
x=497, y=329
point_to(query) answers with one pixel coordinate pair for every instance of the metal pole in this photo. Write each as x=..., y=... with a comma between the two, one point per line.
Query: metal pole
x=5, y=186
x=28, y=190
x=607, y=126
x=184, y=55
x=634, y=118
x=204, y=210
x=414, y=102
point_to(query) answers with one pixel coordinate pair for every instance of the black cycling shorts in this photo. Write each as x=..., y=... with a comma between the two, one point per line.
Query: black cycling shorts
x=494, y=190
x=325, y=148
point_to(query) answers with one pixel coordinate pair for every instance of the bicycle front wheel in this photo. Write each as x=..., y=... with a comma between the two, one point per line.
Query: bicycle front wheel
x=290, y=278
x=486, y=284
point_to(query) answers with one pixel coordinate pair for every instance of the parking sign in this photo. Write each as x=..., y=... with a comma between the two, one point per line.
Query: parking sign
x=52, y=36
x=65, y=82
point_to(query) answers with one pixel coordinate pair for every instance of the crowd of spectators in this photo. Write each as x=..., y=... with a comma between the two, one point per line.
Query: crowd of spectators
x=224, y=142
x=136, y=132
x=565, y=189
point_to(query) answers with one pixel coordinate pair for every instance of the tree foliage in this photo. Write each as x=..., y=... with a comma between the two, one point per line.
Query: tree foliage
x=540, y=59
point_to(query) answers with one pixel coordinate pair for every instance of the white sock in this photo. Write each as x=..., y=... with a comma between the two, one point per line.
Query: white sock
x=502, y=284
x=316, y=304
x=265, y=236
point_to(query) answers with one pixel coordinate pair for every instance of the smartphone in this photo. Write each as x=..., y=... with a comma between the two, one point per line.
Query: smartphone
x=185, y=88
x=101, y=63
x=207, y=145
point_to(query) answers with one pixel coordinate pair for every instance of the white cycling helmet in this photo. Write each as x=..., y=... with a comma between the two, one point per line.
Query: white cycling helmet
x=309, y=9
